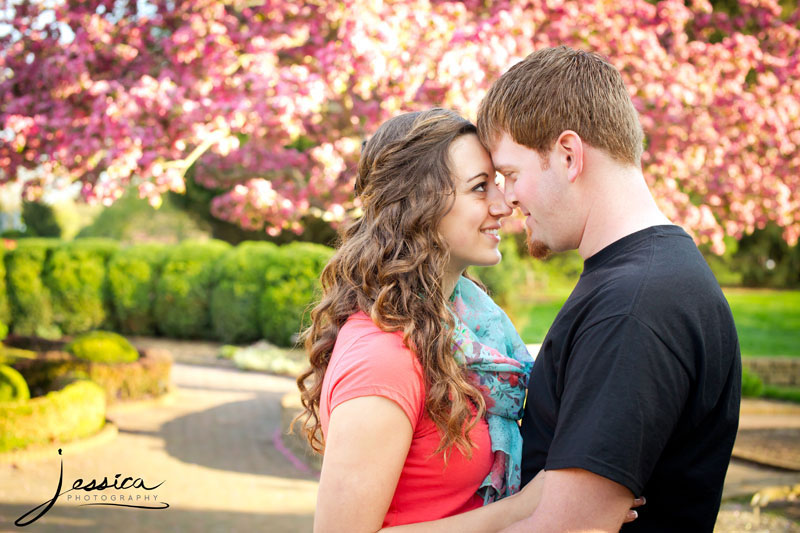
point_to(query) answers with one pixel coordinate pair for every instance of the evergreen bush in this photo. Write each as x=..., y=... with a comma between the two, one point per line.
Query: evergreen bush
x=132, y=278
x=12, y=385
x=9, y=355
x=291, y=285
x=75, y=274
x=5, y=308
x=239, y=282
x=76, y=411
x=103, y=347
x=31, y=307
x=146, y=377
x=184, y=289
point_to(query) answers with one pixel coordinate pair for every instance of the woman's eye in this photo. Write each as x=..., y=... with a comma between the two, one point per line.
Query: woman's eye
x=481, y=187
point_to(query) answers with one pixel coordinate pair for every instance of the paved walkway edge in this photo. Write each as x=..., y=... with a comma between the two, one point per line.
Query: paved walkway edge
x=41, y=453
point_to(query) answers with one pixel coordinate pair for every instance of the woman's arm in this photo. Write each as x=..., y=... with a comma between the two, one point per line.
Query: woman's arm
x=489, y=518
x=366, y=445
x=365, y=448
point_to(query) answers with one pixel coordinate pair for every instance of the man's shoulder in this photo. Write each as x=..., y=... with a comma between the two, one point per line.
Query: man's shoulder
x=662, y=281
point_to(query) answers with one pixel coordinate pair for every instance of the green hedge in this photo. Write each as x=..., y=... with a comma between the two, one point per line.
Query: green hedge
x=5, y=306
x=193, y=290
x=8, y=356
x=75, y=274
x=239, y=283
x=12, y=385
x=146, y=377
x=76, y=411
x=752, y=386
x=184, y=289
x=132, y=277
x=103, y=347
x=31, y=307
x=290, y=287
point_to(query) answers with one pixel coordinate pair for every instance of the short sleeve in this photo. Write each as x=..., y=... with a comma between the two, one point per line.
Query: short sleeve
x=622, y=393
x=376, y=363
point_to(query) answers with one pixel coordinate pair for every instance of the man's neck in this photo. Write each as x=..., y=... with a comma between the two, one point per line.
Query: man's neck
x=621, y=204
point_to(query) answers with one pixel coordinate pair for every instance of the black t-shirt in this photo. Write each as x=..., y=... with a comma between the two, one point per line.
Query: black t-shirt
x=639, y=380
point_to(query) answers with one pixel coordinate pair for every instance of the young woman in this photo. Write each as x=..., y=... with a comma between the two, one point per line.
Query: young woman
x=417, y=378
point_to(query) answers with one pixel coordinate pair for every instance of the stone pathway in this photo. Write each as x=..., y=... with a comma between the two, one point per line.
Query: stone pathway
x=215, y=444
x=212, y=446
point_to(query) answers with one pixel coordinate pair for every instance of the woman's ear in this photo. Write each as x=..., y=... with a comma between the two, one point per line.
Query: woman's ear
x=569, y=148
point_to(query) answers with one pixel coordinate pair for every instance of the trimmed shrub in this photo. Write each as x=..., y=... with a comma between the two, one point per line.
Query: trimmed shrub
x=8, y=356
x=184, y=289
x=131, y=219
x=75, y=274
x=12, y=385
x=132, y=277
x=76, y=411
x=764, y=259
x=5, y=308
x=239, y=282
x=291, y=285
x=40, y=219
x=146, y=377
x=103, y=347
x=751, y=384
x=29, y=297
x=43, y=372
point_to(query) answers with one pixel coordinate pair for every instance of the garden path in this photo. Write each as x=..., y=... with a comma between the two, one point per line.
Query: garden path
x=213, y=444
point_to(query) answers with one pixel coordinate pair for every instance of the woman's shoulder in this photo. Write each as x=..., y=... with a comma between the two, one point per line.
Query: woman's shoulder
x=361, y=342
x=367, y=361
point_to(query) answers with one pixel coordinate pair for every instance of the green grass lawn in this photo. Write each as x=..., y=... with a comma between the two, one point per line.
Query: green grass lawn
x=768, y=321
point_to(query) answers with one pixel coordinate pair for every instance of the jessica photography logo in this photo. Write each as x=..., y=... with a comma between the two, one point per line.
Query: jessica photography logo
x=113, y=493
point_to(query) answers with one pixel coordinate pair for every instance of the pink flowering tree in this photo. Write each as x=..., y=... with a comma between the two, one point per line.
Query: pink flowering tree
x=267, y=102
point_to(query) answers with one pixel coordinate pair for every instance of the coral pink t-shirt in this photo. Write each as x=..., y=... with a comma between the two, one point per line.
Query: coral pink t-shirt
x=367, y=361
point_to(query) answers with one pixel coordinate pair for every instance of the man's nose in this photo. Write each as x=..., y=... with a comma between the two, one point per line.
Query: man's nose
x=498, y=206
x=509, y=196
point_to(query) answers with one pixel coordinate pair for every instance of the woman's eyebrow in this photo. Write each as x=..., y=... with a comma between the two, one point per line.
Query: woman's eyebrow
x=476, y=176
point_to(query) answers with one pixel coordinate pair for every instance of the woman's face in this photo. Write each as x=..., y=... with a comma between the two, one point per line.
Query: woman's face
x=471, y=226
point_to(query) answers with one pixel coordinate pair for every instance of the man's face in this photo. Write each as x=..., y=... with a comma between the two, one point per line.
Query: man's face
x=538, y=186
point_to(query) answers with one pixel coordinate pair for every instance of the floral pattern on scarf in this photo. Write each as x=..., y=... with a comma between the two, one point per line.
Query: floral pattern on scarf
x=498, y=364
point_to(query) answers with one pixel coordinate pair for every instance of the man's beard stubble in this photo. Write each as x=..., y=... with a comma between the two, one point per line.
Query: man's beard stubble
x=536, y=248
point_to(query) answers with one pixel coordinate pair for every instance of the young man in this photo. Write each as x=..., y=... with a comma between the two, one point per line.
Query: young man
x=637, y=386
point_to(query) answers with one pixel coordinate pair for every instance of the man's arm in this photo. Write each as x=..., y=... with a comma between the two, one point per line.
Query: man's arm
x=577, y=500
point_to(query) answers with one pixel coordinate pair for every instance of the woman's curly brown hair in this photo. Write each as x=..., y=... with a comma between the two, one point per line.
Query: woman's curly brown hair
x=390, y=264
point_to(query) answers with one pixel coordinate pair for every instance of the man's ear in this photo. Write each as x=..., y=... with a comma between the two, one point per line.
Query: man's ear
x=569, y=149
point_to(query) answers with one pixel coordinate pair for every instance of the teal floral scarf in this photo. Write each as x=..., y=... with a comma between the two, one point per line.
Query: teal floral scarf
x=498, y=364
